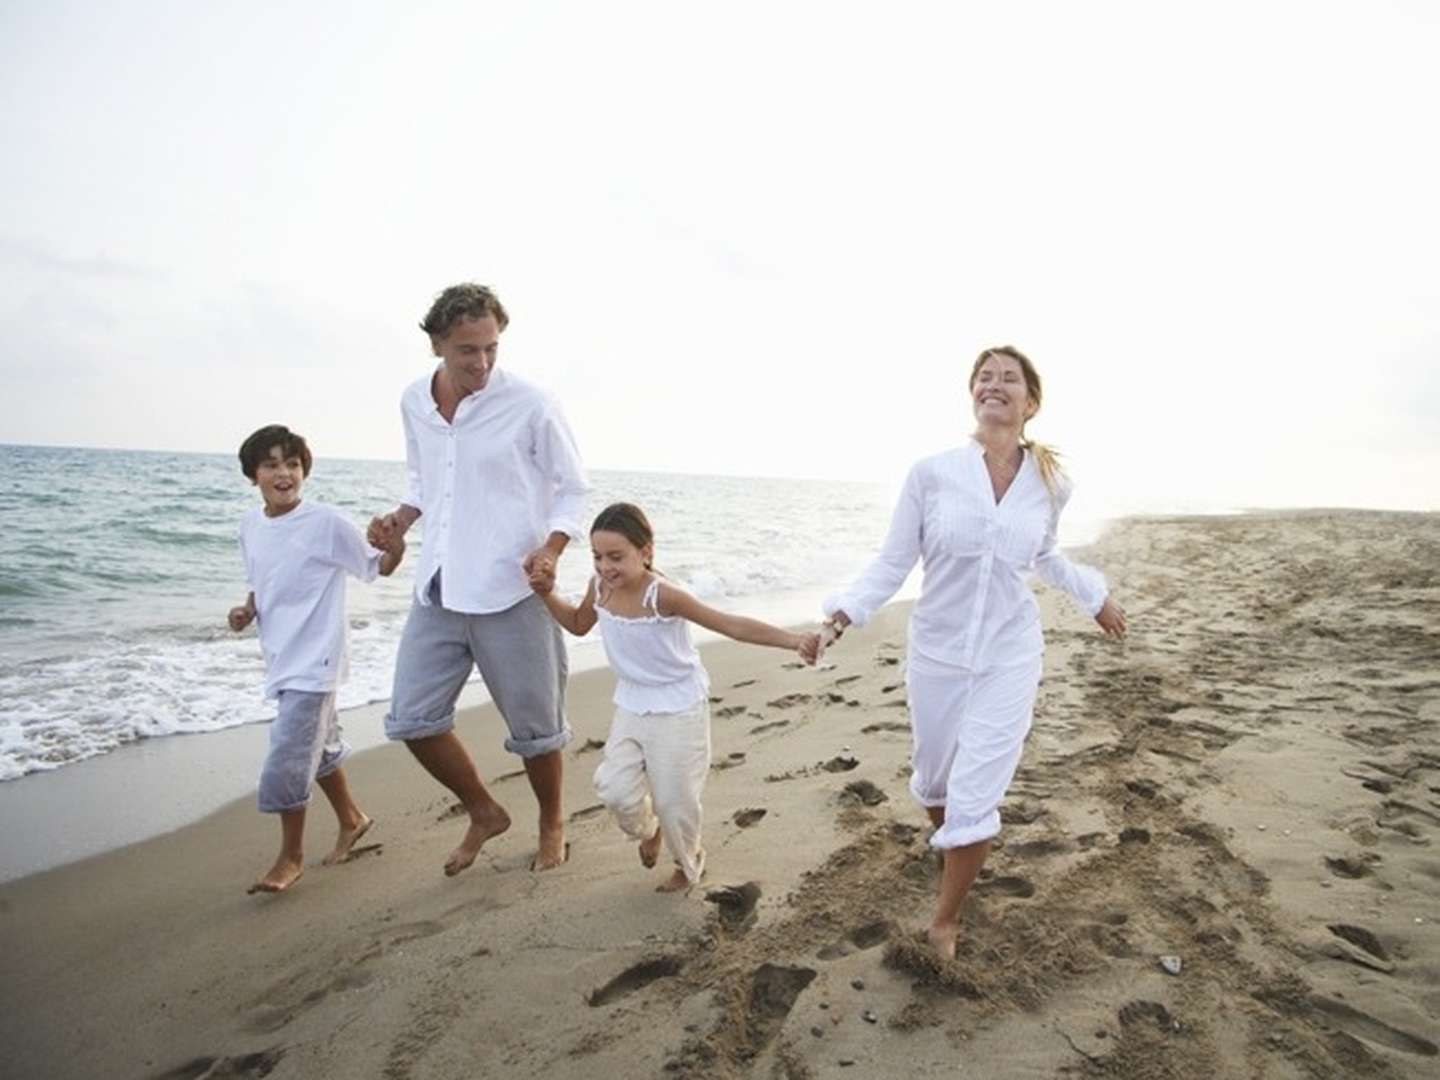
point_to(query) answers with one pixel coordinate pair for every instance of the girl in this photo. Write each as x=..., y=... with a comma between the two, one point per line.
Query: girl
x=658, y=753
x=979, y=518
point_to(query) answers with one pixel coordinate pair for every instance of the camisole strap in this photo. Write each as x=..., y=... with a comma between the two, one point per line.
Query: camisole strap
x=652, y=596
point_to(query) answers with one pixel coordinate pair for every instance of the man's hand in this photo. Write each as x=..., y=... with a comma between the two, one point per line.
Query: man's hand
x=394, y=525
x=544, y=559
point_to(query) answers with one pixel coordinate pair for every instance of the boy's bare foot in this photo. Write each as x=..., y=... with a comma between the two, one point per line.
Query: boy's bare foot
x=279, y=877
x=554, y=850
x=489, y=822
x=943, y=938
x=650, y=850
x=674, y=883
x=346, y=840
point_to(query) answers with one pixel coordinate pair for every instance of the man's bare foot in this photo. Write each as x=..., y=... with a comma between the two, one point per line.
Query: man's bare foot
x=279, y=877
x=487, y=823
x=554, y=850
x=346, y=840
x=650, y=850
x=943, y=938
x=674, y=883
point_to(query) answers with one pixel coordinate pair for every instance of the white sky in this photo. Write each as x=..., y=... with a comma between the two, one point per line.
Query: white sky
x=744, y=238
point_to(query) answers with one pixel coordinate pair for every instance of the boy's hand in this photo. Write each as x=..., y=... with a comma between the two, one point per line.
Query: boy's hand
x=241, y=617
x=810, y=648
x=383, y=532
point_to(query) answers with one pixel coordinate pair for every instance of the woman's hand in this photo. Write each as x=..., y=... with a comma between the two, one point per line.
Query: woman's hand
x=1111, y=619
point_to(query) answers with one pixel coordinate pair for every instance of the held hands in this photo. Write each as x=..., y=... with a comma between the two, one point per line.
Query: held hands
x=386, y=533
x=240, y=617
x=810, y=648
x=542, y=581
x=1111, y=619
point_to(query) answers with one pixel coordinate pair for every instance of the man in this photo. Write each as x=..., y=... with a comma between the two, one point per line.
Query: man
x=495, y=472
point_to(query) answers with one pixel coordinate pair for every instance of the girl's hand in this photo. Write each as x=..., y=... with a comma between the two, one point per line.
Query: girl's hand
x=241, y=617
x=810, y=648
x=1111, y=619
x=542, y=581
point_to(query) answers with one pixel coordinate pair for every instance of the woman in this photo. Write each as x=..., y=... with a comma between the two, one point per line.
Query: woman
x=979, y=517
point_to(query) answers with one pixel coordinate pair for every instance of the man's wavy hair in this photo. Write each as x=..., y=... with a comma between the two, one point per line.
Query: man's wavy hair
x=464, y=301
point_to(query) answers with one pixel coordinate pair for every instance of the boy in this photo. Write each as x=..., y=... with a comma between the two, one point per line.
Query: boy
x=296, y=557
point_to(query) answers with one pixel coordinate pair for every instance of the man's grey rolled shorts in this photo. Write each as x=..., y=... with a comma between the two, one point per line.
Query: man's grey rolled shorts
x=521, y=657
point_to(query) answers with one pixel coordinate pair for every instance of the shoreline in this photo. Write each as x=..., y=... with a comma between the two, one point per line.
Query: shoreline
x=87, y=809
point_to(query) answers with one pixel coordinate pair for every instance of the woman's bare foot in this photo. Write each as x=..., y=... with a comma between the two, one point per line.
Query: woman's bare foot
x=674, y=883
x=943, y=938
x=486, y=823
x=349, y=836
x=279, y=877
x=554, y=850
x=650, y=850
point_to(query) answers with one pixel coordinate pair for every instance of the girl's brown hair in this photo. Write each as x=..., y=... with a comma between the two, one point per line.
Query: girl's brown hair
x=1047, y=458
x=629, y=521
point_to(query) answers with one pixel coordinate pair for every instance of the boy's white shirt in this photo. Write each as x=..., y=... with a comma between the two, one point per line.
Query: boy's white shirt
x=296, y=565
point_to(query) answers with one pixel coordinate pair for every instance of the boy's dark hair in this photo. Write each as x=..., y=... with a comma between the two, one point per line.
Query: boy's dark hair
x=464, y=301
x=629, y=521
x=257, y=448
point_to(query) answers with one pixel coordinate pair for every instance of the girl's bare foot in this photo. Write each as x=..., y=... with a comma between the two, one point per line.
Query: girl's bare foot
x=943, y=938
x=674, y=883
x=553, y=852
x=650, y=850
x=349, y=836
x=486, y=823
x=279, y=877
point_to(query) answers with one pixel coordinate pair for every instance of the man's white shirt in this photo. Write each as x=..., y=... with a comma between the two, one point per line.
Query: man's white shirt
x=491, y=485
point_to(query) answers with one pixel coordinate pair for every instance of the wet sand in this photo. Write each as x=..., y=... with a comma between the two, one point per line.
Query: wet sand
x=1250, y=783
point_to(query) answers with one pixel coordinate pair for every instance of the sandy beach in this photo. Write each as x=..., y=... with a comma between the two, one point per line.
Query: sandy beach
x=1250, y=784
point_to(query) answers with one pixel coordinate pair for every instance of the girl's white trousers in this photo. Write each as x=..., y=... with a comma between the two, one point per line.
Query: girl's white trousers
x=652, y=775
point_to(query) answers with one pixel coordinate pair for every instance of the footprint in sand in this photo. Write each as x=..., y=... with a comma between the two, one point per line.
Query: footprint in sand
x=731, y=760
x=861, y=937
x=773, y=992
x=636, y=977
x=729, y=711
x=1352, y=868
x=863, y=791
x=1032, y=849
x=1133, y=835
x=743, y=683
x=1148, y=1013
x=886, y=725
x=1017, y=887
x=846, y=679
x=747, y=817
x=588, y=812
x=735, y=905
x=770, y=726
x=840, y=763
x=1363, y=1026
x=261, y=1063
x=789, y=701
x=589, y=746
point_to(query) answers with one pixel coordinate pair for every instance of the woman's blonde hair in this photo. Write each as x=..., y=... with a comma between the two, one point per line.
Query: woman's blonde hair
x=1047, y=458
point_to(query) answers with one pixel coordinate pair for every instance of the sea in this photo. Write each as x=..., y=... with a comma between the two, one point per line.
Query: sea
x=121, y=566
